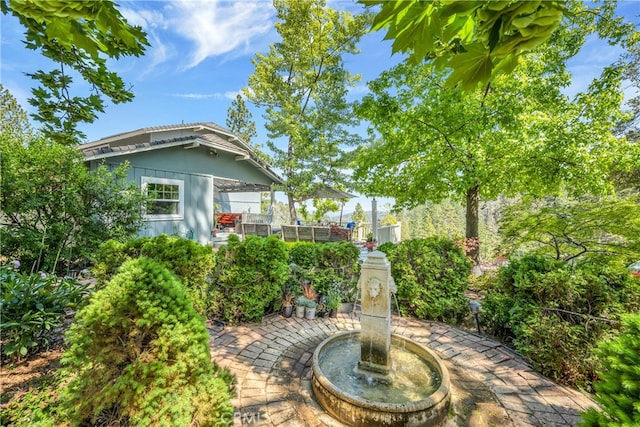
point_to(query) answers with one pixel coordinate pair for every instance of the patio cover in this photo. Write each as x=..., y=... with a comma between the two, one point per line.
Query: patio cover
x=324, y=191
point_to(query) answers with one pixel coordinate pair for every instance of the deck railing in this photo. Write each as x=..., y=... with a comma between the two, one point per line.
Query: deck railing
x=386, y=233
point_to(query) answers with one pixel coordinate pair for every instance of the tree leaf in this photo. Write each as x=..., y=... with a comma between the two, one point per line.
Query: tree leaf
x=471, y=67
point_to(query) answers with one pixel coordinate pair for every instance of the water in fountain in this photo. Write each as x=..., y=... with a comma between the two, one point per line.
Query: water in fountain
x=410, y=377
x=371, y=378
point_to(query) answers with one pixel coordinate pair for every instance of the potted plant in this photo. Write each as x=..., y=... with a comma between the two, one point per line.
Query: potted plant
x=308, y=291
x=310, y=309
x=301, y=302
x=349, y=292
x=333, y=303
x=370, y=244
x=287, y=304
x=321, y=308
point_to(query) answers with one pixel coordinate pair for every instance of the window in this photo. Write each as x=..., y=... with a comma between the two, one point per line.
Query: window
x=167, y=198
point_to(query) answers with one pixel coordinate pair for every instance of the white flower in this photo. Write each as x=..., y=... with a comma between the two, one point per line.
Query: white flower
x=43, y=275
x=15, y=263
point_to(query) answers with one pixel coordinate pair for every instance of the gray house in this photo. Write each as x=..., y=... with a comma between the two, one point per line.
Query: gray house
x=188, y=169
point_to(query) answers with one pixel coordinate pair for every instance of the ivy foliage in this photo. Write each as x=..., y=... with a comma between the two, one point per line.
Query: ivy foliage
x=82, y=36
x=139, y=356
x=191, y=262
x=618, y=389
x=248, y=278
x=431, y=277
x=554, y=313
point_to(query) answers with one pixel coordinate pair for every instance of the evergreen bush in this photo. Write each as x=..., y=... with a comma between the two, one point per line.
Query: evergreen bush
x=618, y=389
x=248, y=278
x=139, y=356
x=554, y=313
x=190, y=261
x=431, y=277
x=303, y=254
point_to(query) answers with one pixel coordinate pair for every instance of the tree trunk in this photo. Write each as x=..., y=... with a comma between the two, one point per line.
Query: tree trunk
x=292, y=209
x=472, y=238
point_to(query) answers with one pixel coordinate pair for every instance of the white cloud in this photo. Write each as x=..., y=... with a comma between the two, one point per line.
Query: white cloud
x=204, y=28
x=215, y=95
x=146, y=18
x=217, y=27
x=359, y=89
x=160, y=52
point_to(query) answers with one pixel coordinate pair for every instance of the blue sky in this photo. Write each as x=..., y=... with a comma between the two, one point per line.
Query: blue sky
x=200, y=58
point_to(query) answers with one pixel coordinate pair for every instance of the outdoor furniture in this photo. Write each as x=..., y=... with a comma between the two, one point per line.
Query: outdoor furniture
x=321, y=234
x=262, y=230
x=305, y=234
x=318, y=234
x=289, y=233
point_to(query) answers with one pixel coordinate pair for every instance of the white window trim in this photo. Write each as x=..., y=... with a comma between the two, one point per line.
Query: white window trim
x=153, y=180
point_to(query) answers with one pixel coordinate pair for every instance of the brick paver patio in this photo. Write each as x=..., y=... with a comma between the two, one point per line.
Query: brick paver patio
x=491, y=385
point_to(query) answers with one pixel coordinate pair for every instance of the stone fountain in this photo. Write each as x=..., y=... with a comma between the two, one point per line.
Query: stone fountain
x=374, y=378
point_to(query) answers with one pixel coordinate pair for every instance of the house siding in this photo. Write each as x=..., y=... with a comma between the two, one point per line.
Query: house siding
x=197, y=221
x=197, y=169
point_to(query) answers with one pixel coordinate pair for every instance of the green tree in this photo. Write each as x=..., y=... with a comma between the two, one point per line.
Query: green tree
x=323, y=207
x=239, y=120
x=358, y=214
x=572, y=228
x=14, y=124
x=52, y=208
x=629, y=178
x=475, y=39
x=55, y=209
x=80, y=37
x=302, y=84
x=519, y=134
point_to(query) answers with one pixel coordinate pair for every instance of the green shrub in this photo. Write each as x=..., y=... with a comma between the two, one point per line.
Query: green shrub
x=325, y=281
x=330, y=267
x=431, y=277
x=60, y=210
x=32, y=307
x=303, y=254
x=341, y=257
x=555, y=313
x=248, y=278
x=139, y=356
x=190, y=261
x=618, y=390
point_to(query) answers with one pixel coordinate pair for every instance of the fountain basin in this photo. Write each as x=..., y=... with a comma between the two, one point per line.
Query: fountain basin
x=424, y=401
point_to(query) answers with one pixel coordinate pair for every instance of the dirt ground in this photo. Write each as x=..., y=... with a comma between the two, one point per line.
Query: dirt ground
x=19, y=376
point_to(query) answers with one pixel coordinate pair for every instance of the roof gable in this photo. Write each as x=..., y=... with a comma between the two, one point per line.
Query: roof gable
x=190, y=135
